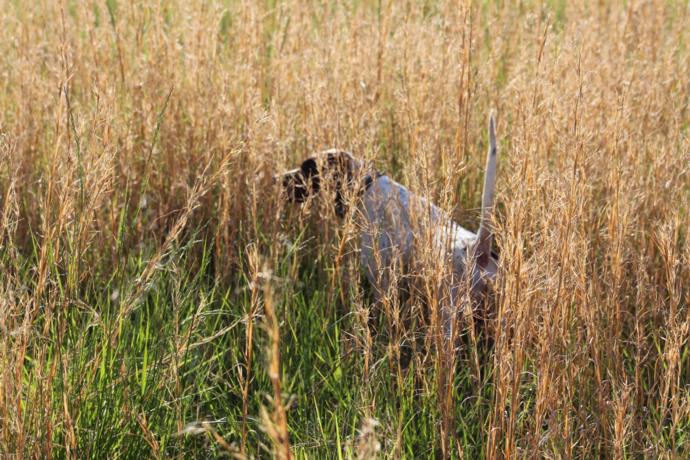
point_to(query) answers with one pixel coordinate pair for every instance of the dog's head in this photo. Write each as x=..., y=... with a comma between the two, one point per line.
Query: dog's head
x=333, y=170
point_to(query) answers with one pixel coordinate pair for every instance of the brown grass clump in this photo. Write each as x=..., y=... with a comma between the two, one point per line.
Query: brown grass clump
x=142, y=242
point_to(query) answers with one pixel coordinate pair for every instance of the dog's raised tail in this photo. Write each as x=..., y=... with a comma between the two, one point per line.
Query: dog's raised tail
x=485, y=234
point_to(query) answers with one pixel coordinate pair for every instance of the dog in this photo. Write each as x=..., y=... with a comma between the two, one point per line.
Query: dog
x=393, y=220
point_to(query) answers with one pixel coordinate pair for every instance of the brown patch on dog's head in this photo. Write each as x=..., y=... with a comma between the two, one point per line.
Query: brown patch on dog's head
x=332, y=169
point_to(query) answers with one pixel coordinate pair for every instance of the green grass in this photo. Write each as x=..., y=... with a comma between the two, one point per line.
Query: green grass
x=162, y=373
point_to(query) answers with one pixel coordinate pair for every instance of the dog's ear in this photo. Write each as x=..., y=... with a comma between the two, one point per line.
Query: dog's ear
x=309, y=168
x=341, y=166
x=311, y=177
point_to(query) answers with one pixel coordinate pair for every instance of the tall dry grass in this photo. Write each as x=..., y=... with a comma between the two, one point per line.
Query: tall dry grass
x=140, y=233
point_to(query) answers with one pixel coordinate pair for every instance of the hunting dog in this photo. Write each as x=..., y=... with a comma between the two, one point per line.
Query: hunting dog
x=393, y=220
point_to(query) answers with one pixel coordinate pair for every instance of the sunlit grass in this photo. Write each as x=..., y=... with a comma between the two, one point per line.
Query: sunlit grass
x=158, y=300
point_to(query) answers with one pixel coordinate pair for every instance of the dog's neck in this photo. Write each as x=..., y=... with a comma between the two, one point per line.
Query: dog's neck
x=370, y=178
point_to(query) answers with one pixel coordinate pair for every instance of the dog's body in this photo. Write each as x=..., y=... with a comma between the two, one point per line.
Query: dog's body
x=395, y=223
x=398, y=223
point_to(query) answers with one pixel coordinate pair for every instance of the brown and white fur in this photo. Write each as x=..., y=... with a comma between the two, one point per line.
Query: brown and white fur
x=393, y=220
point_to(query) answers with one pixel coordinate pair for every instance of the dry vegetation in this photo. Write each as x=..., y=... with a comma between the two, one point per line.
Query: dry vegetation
x=156, y=300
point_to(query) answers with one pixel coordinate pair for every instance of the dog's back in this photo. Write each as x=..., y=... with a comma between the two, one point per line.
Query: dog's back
x=397, y=223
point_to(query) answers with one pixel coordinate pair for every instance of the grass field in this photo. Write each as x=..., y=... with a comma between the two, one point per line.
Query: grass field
x=158, y=300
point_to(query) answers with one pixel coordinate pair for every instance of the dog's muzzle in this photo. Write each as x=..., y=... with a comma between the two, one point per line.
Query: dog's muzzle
x=294, y=184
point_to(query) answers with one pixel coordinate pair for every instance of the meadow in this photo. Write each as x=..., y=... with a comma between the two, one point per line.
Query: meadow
x=158, y=299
